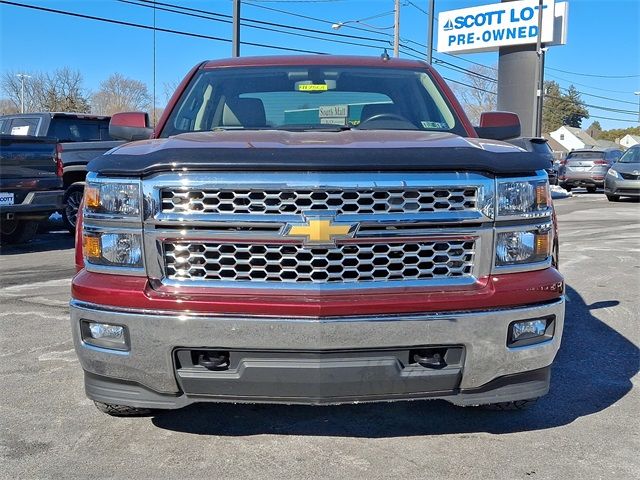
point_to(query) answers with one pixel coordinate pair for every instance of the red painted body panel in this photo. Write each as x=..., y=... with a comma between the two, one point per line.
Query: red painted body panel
x=516, y=289
x=498, y=119
x=296, y=60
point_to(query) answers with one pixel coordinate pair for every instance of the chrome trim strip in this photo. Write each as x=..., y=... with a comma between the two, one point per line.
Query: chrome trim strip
x=406, y=317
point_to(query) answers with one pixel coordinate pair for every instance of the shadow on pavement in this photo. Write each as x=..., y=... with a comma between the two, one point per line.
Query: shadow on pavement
x=43, y=242
x=593, y=370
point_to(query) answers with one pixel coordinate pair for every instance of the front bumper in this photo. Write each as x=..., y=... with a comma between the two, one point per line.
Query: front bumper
x=315, y=360
x=622, y=187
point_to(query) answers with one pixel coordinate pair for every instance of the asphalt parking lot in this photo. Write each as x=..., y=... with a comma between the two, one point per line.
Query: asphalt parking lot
x=587, y=427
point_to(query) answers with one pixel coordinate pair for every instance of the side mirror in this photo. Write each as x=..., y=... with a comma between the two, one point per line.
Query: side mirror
x=498, y=125
x=130, y=126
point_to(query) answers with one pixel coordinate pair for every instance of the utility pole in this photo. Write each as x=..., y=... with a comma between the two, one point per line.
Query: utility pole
x=235, y=46
x=540, y=92
x=22, y=76
x=396, y=30
x=638, y=93
x=430, y=32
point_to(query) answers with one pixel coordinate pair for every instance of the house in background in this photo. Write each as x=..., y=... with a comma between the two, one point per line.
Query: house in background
x=629, y=140
x=559, y=152
x=572, y=138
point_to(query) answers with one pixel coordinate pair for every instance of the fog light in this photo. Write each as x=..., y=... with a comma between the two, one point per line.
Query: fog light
x=528, y=332
x=105, y=335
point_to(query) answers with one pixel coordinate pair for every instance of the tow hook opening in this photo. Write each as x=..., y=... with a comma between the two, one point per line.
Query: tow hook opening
x=435, y=358
x=212, y=360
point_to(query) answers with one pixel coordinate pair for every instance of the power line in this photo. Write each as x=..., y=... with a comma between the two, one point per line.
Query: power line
x=195, y=15
x=615, y=119
x=418, y=8
x=321, y=20
x=592, y=74
x=597, y=107
x=229, y=18
x=159, y=29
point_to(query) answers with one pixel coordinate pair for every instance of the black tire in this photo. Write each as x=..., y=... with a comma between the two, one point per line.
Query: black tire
x=18, y=231
x=511, y=406
x=567, y=187
x=72, y=199
x=122, y=410
x=613, y=198
x=592, y=189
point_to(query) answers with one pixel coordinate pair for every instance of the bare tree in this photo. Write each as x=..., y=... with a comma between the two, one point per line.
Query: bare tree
x=121, y=94
x=168, y=88
x=8, y=107
x=481, y=94
x=60, y=91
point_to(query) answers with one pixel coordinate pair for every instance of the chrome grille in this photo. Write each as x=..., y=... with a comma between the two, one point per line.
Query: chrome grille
x=297, y=201
x=362, y=262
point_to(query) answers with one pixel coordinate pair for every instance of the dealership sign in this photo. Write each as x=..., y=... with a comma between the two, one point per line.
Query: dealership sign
x=489, y=27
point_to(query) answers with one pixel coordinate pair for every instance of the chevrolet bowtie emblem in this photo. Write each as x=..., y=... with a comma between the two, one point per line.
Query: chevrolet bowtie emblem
x=320, y=230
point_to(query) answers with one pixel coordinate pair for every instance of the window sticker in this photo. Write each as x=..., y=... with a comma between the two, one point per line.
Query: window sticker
x=308, y=87
x=438, y=125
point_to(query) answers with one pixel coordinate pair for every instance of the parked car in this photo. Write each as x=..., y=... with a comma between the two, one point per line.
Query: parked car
x=316, y=230
x=80, y=138
x=587, y=168
x=540, y=146
x=623, y=178
x=30, y=188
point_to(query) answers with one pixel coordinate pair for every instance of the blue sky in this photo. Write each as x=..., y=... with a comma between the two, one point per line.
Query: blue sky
x=604, y=39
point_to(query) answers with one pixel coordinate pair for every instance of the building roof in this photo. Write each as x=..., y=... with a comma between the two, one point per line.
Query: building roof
x=554, y=144
x=607, y=144
x=633, y=137
x=587, y=139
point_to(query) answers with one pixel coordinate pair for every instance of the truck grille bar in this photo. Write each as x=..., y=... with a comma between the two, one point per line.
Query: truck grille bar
x=362, y=262
x=340, y=201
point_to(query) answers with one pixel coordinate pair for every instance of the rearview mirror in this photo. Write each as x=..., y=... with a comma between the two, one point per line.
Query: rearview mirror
x=498, y=125
x=130, y=126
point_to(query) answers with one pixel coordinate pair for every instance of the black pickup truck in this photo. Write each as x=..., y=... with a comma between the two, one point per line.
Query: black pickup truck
x=30, y=188
x=79, y=139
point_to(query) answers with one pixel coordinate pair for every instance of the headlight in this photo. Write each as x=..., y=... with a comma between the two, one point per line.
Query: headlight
x=613, y=173
x=122, y=199
x=515, y=248
x=523, y=198
x=113, y=249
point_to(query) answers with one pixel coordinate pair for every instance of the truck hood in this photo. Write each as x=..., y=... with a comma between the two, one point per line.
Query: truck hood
x=353, y=150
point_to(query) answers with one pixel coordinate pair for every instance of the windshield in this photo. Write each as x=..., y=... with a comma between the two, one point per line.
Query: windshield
x=312, y=98
x=631, y=156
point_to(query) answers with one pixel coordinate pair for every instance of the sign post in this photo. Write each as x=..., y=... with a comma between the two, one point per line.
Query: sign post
x=518, y=29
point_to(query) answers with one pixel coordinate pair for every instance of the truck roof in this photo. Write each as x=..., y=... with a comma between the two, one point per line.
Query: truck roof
x=57, y=114
x=337, y=60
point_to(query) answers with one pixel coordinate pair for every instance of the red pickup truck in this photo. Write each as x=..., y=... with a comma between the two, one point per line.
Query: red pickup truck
x=316, y=230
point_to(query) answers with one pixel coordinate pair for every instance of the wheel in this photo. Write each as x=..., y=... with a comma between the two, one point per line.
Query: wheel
x=17, y=231
x=516, y=405
x=72, y=199
x=591, y=189
x=613, y=198
x=567, y=187
x=122, y=410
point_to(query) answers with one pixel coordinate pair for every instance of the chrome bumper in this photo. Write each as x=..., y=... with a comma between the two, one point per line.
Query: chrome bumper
x=154, y=336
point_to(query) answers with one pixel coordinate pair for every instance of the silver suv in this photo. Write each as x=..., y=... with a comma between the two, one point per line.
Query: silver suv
x=587, y=168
